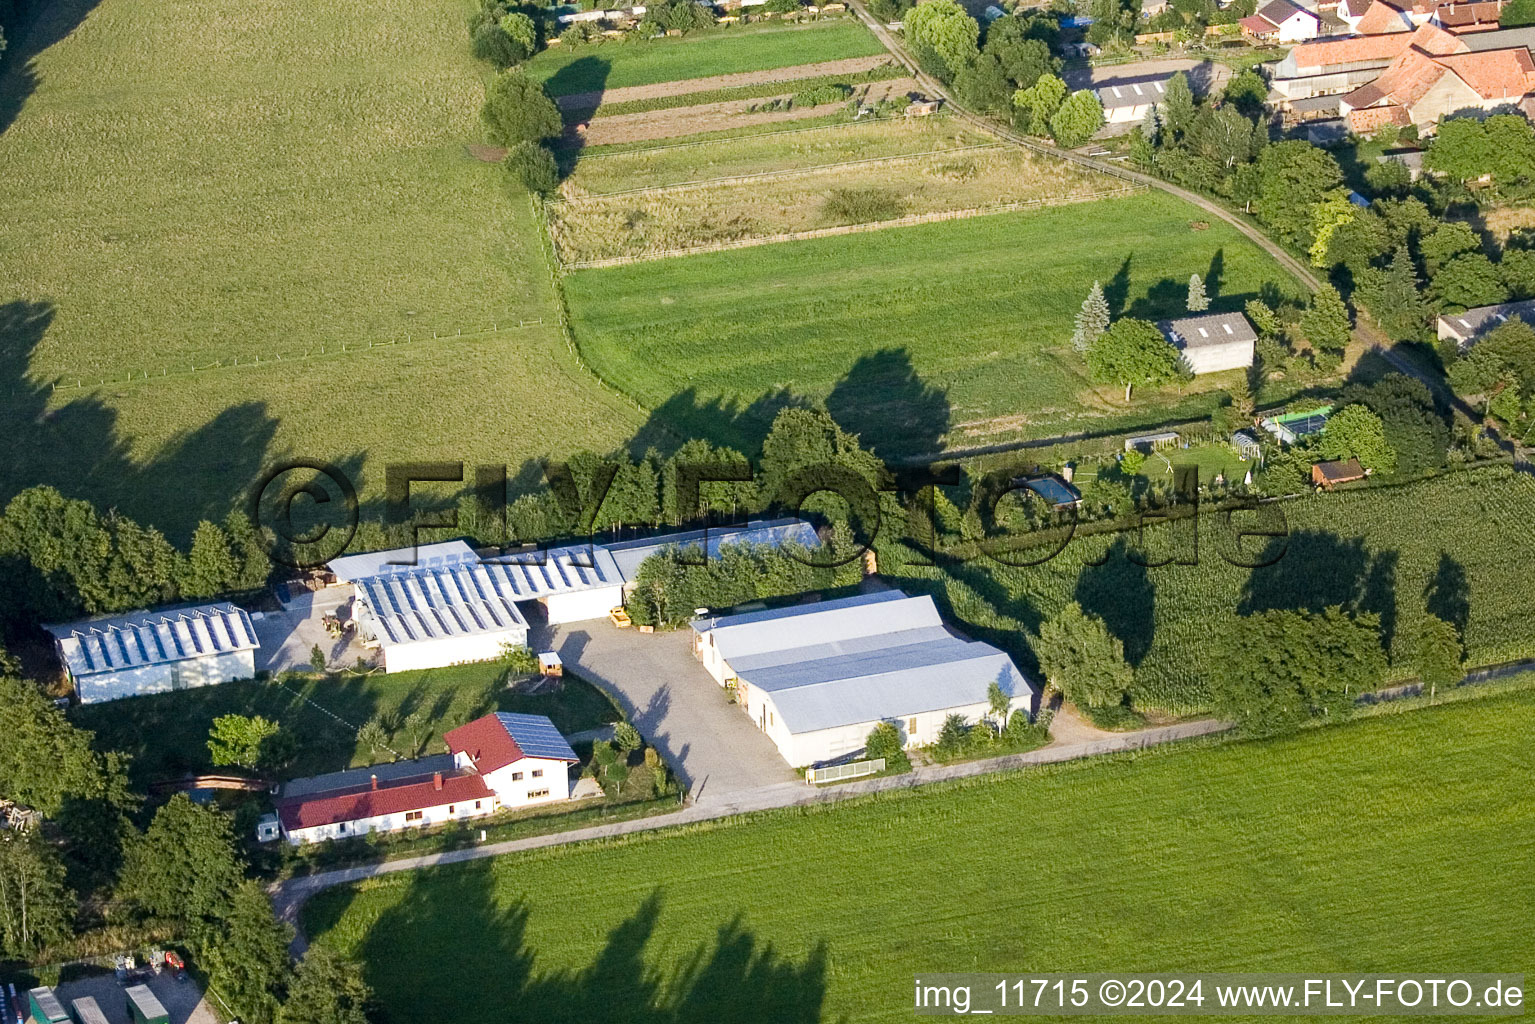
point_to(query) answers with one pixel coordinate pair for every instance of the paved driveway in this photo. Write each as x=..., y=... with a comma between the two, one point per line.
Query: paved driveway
x=183, y=1000
x=288, y=636
x=674, y=703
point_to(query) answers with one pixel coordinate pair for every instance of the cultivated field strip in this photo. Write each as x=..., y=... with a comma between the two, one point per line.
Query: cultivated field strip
x=789, y=173
x=800, y=204
x=611, y=173
x=683, y=87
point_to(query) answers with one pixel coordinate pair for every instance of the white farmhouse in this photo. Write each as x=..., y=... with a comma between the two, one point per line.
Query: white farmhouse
x=817, y=678
x=155, y=651
x=499, y=761
x=1282, y=21
x=1213, y=342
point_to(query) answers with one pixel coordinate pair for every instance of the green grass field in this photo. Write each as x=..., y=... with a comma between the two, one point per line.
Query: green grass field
x=166, y=734
x=955, y=331
x=601, y=173
x=1396, y=844
x=187, y=184
x=619, y=65
x=1440, y=545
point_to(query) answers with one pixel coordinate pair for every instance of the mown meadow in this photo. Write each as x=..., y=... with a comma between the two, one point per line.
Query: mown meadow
x=217, y=182
x=955, y=331
x=765, y=47
x=1396, y=844
x=1447, y=545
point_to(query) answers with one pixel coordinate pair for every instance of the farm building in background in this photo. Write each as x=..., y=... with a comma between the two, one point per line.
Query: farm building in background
x=457, y=608
x=1465, y=328
x=1281, y=21
x=818, y=677
x=1126, y=102
x=156, y=651
x=629, y=555
x=1212, y=342
x=501, y=760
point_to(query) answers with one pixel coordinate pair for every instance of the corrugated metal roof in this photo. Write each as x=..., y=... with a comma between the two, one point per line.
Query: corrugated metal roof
x=350, y=568
x=466, y=598
x=121, y=642
x=833, y=648
x=861, y=659
x=774, y=629
x=956, y=679
x=631, y=554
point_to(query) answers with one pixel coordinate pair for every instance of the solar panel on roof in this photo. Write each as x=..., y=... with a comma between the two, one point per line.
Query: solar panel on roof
x=536, y=735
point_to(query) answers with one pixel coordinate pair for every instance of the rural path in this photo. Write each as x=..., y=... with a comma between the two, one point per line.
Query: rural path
x=937, y=90
x=684, y=86
x=288, y=896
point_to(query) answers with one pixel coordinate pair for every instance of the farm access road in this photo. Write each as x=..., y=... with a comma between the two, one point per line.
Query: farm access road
x=1074, y=739
x=935, y=89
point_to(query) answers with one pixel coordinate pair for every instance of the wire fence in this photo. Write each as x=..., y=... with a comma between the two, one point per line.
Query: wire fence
x=318, y=350
x=848, y=229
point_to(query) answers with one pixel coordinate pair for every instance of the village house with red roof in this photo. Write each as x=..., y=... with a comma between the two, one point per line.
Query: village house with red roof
x=502, y=760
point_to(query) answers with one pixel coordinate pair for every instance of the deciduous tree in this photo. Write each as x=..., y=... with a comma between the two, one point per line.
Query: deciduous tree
x=238, y=739
x=36, y=907
x=518, y=110
x=944, y=27
x=247, y=956
x=1082, y=659
x=327, y=989
x=1437, y=654
x=1356, y=432
x=1133, y=352
x=1077, y=120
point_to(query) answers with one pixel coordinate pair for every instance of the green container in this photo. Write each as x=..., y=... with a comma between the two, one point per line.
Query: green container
x=45, y=1006
x=144, y=1008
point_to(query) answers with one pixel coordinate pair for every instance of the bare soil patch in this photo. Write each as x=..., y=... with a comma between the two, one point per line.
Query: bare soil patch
x=713, y=117
x=485, y=152
x=681, y=87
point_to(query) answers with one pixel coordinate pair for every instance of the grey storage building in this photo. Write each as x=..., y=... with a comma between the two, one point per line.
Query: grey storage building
x=818, y=677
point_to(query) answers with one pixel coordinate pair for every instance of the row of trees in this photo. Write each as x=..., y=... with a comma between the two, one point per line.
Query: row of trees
x=185, y=870
x=1279, y=669
x=61, y=558
x=1011, y=74
x=674, y=582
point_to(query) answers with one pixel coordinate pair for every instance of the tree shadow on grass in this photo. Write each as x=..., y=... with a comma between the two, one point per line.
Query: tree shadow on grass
x=455, y=946
x=30, y=33
x=891, y=409
x=77, y=445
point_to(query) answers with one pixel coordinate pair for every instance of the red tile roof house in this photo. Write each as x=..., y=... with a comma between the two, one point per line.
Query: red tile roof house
x=1423, y=85
x=500, y=760
x=1283, y=21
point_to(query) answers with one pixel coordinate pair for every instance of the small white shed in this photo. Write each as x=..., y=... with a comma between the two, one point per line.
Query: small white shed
x=1213, y=342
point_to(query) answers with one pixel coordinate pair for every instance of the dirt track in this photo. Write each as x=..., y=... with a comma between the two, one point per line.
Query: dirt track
x=849, y=66
x=713, y=117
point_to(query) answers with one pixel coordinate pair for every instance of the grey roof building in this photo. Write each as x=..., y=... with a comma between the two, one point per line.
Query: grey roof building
x=1212, y=342
x=818, y=677
x=629, y=555
x=1465, y=328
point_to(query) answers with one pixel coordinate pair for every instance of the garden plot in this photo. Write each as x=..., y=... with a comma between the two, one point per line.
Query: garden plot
x=737, y=80
x=674, y=122
x=793, y=203
x=599, y=173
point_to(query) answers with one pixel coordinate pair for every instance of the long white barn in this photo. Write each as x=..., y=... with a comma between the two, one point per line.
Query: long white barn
x=818, y=677
x=155, y=651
